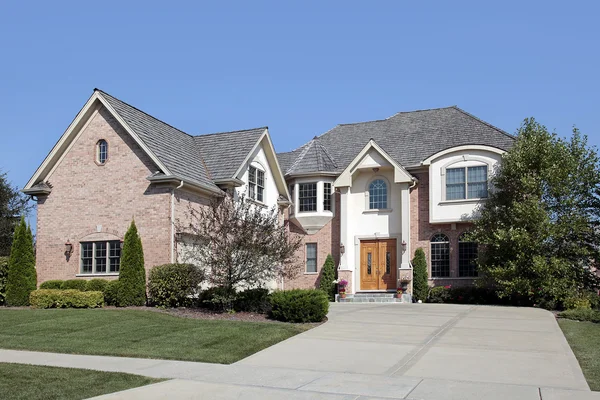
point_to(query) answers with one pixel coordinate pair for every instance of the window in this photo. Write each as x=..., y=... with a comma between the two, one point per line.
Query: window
x=101, y=151
x=307, y=197
x=377, y=195
x=100, y=257
x=292, y=198
x=467, y=257
x=311, y=257
x=440, y=256
x=327, y=196
x=466, y=183
x=256, y=184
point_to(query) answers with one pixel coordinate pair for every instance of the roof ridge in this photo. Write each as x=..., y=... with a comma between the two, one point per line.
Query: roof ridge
x=421, y=110
x=324, y=150
x=484, y=122
x=302, y=154
x=143, y=112
x=221, y=133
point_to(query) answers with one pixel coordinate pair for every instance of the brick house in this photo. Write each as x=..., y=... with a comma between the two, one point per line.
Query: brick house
x=369, y=193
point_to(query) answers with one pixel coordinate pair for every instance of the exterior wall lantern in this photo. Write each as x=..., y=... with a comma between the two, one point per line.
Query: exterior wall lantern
x=342, y=248
x=68, y=248
x=121, y=244
x=403, y=244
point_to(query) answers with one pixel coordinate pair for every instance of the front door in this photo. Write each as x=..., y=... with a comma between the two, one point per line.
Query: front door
x=378, y=264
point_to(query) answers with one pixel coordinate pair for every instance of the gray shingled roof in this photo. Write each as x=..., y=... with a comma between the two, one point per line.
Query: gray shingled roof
x=224, y=152
x=408, y=137
x=201, y=158
x=312, y=157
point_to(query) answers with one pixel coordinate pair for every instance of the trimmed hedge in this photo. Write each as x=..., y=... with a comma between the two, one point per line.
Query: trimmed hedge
x=327, y=277
x=77, y=284
x=581, y=314
x=217, y=298
x=52, y=284
x=172, y=285
x=70, y=298
x=111, y=292
x=299, y=305
x=96, y=285
x=420, y=283
x=253, y=300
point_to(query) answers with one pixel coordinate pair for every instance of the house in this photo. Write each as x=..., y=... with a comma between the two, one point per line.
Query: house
x=368, y=193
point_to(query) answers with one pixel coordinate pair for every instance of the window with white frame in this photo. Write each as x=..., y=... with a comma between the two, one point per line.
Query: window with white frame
x=307, y=197
x=440, y=256
x=311, y=257
x=256, y=184
x=101, y=151
x=467, y=183
x=327, y=196
x=101, y=257
x=378, y=192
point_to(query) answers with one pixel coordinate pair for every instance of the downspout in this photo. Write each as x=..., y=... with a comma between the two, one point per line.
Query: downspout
x=173, y=221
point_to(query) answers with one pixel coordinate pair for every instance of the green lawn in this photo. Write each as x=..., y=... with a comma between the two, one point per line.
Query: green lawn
x=584, y=339
x=134, y=333
x=32, y=382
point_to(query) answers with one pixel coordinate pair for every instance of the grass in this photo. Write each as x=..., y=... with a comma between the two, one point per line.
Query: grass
x=583, y=339
x=31, y=382
x=134, y=333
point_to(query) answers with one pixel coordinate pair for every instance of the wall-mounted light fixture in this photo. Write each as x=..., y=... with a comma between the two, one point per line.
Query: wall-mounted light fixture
x=121, y=244
x=68, y=248
x=403, y=245
x=376, y=170
x=342, y=248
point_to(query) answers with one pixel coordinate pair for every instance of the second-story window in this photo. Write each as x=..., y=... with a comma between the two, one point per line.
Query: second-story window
x=327, y=196
x=101, y=152
x=378, y=195
x=256, y=184
x=467, y=183
x=307, y=197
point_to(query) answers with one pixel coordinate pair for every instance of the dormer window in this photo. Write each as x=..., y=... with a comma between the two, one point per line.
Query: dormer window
x=256, y=184
x=467, y=183
x=101, y=152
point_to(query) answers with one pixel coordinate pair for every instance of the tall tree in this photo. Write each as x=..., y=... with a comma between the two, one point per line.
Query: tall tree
x=539, y=227
x=327, y=277
x=13, y=205
x=22, y=277
x=132, y=274
x=240, y=244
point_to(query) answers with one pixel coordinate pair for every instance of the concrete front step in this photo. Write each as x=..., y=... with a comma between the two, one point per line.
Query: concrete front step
x=374, y=298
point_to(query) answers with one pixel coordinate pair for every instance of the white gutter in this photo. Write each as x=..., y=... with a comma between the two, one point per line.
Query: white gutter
x=173, y=221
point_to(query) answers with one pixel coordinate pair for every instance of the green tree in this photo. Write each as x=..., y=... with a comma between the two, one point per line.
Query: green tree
x=3, y=276
x=22, y=278
x=132, y=274
x=13, y=205
x=327, y=277
x=539, y=227
x=420, y=284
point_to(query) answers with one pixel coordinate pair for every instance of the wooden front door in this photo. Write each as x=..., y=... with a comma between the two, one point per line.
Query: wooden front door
x=378, y=264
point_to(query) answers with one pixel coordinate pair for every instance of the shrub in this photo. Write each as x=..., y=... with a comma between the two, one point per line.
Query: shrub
x=420, y=284
x=581, y=300
x=96, y=285
x=217, y=298
x=70, y=298
x=581, y=314
x=111, y=292
x=253, y=300
x=172, y=285
x=299, y=305
x=3, y=276
x=327, y=277
x=77, y=284
x=439, y=294
x=132, y=275
x=22, y=278
x=52, y=284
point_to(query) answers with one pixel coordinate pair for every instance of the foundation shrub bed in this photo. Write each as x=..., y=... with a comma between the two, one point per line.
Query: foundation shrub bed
x=77, y=284
x=96, y=285
x=581, y=314
x=464, y=295
x=111, y=293
x=253, y=300
x=174, y=285
x=52, y=284
x=70, y=298
x=299, y=305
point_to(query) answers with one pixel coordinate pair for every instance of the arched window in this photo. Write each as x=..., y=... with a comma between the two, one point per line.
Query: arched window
x=440, y=256
x=378, y=195
x=467, y=256
x=101, y=152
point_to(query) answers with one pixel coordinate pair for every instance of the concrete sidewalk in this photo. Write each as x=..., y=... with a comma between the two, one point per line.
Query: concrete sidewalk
x=376, y=351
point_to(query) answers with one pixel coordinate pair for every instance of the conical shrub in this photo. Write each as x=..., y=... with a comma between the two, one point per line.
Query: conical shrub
x=327, y=277
x=22, y=277
x=132, y=275
x=420, y=285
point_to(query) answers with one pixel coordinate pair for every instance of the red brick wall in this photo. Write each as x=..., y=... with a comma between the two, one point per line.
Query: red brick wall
x=85, y=195
x=421, y=232
x=328, y=242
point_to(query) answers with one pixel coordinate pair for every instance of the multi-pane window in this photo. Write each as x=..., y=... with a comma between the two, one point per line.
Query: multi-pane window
x=292, y=198
x=467, y=183
x=100, y=257
x=311, y=257
x=307, y=197
x=467, y=257
x=256, y=184
x=327, y=196
x=378, y=194
x=102, y=151
x=440, y=256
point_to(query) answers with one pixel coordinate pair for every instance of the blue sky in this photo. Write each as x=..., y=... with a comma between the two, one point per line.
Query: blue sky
x=298, y=67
